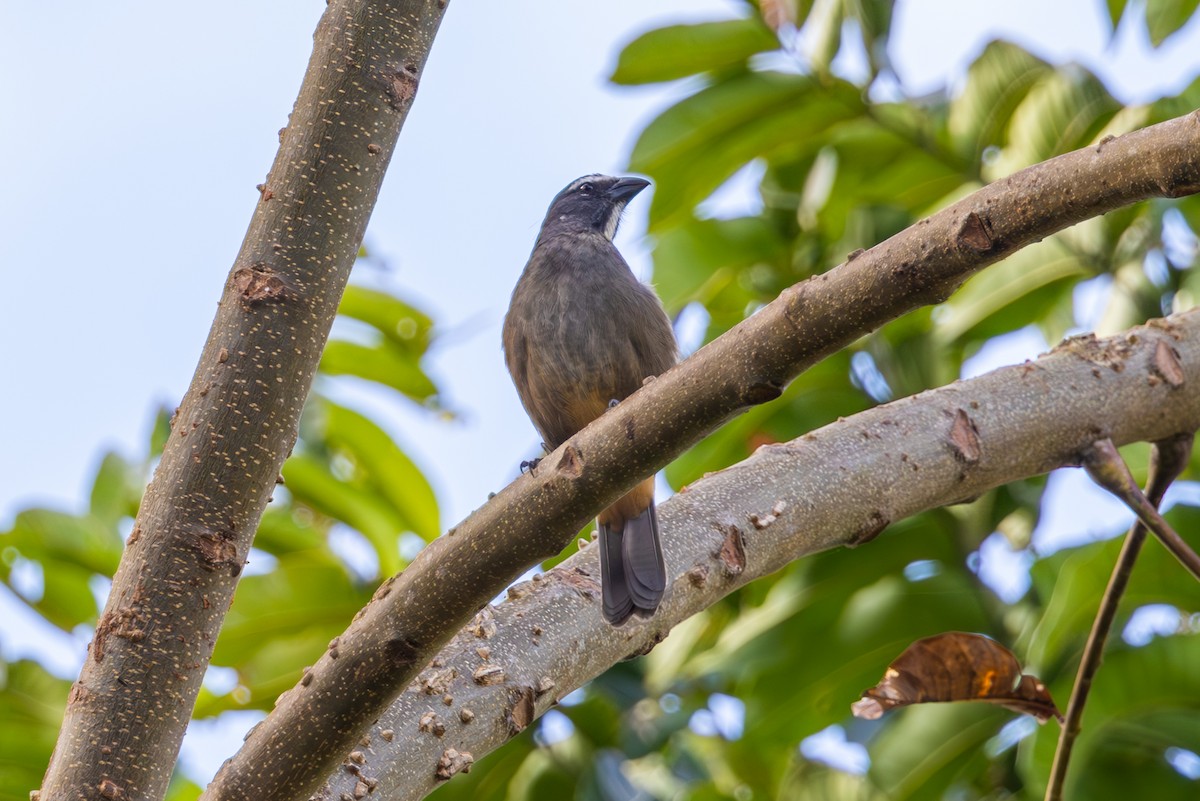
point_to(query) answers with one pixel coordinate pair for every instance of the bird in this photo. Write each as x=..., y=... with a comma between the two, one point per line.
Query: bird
x=581, y=334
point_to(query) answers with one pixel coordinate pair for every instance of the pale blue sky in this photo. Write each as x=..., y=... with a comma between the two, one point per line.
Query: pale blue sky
x=135, y=133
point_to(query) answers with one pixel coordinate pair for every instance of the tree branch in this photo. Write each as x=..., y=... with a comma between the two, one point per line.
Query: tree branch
x=1168, y=458
x=126, y=715
x=836, y=486
x=1106, y=467
x=415, y=613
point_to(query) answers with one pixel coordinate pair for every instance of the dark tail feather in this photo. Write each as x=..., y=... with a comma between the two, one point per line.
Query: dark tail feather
x=614, y=591
x=645, y=574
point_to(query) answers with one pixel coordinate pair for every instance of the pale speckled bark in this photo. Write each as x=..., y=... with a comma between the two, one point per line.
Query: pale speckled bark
x=126, y=715
x=414, y=614
x=830, y=488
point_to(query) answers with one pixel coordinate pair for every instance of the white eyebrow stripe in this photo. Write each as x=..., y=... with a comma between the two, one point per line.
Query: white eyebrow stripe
x=578, y=182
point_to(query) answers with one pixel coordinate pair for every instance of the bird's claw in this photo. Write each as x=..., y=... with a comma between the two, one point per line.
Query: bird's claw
x=530, y=465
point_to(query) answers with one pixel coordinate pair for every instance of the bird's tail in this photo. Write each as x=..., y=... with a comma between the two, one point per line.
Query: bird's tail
x=633, y=576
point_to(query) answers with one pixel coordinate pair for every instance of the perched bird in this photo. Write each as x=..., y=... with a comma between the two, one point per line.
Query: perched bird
x=581, y=334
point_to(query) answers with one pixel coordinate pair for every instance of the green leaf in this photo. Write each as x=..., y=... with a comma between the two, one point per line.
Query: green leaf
x=1170, y=107
x=69, y=550
x=1116, y=9
x=310, y=482
x=875, y=26
x=383, y=363
x=1165, y=17
x=31, y=705
x=116, y=490
x=924, y=751
x=1143, y=701
x=694, y=260
x=1010, y=295
x=677, y=51
x=825, y=26
x=281, y=621
x=696, y=145
x=182, y=789
x=996, y=84
x=1073, y=581
x=387, y=468
x=160, y=431
x=815, y=781
x=43, y=534
x=1063, y=111
x=285, y=529
x=399, y=322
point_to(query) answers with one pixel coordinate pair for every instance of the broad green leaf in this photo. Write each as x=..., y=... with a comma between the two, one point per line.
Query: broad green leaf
x=1064, y=110
x=45, y=534
x=388, y=470
x=115, y=490
x=677, y=51
x=383, y=363
x=703, y=118
x=284, y=529
x=1010, y=295
x=694, y=146
x=1072, y=582
x=400, y=322
x=310, y=482
x=694, y=260
x=996, y=84
x=926, y=751
x=814, y=781
x=1165, y=17
x=1143, y=701
x=280, y=622
x=856, y=614
x=31, y=705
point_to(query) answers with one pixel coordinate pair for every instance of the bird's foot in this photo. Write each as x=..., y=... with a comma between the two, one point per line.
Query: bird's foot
x=530, y=465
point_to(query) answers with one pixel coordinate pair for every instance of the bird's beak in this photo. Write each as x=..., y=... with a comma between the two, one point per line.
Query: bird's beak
x=625, y=188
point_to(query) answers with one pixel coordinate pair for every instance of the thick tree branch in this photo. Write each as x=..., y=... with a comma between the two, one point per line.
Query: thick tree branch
x=414, y=614
x=127, y=714
x=837, y=486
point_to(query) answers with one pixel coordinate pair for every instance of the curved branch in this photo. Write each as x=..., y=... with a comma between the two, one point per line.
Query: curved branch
x=415, y=613
x=784, y=502
x=126, y=715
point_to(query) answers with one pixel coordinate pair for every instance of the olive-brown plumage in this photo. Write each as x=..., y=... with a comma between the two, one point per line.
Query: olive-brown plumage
x=581, y=332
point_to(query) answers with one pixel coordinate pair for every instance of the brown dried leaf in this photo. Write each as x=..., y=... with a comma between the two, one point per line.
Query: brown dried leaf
x=957, y=667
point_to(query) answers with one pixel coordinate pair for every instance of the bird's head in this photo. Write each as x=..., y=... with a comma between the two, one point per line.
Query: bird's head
x=591, y=203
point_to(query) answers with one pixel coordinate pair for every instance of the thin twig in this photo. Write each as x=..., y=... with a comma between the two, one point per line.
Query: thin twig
x=1106, y=467
x=1167, y=460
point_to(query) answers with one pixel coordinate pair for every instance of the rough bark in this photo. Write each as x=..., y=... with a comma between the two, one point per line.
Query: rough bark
x=415, y=613
x=837, y=486
x=127, y=713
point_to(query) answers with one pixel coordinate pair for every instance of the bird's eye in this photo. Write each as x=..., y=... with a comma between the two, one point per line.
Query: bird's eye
x=586, y=187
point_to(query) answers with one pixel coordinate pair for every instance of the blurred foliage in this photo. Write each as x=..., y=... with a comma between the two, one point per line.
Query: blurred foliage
x=829, y=160
x=334, y=529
